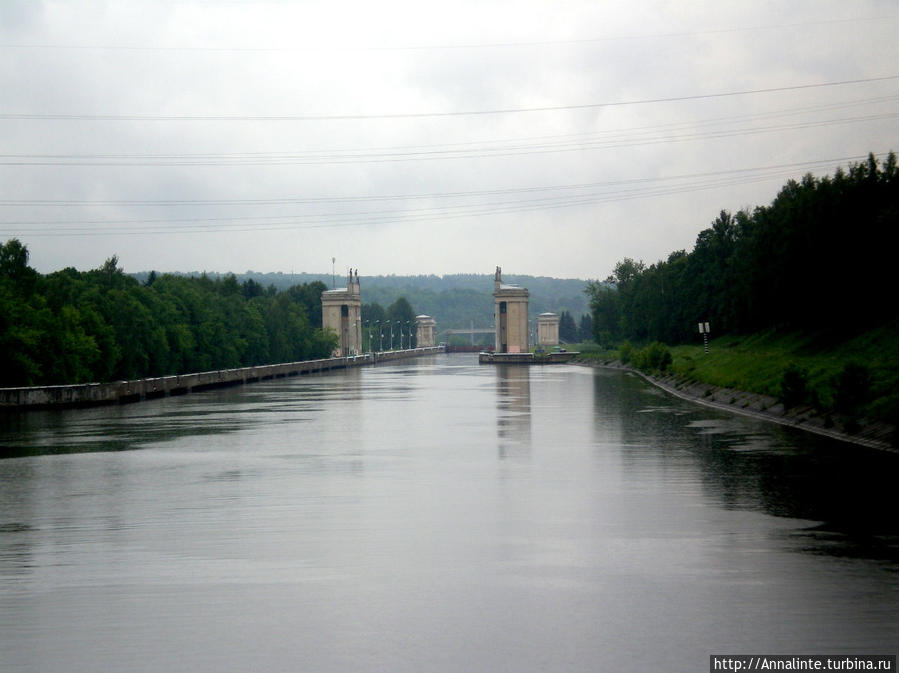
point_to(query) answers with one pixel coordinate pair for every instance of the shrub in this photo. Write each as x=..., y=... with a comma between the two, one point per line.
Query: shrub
x=658, y=357
x=625, y=352
x=793, y=386
x=655, y=357
x=604, y=339
x=853, y=388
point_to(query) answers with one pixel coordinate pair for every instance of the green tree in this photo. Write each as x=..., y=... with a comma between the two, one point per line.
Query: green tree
x=585, y=328
x=69, y=326
x=14, y=267
x=20, y=340
x=374, y=318
x=251, y=289
x=567, y=328
x=604, y=303
x=401, y=318
x=309, y=296
x=768, y=267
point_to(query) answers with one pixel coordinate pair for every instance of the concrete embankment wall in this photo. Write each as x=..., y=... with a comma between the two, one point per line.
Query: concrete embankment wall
x=141, y=389
x=874, y=435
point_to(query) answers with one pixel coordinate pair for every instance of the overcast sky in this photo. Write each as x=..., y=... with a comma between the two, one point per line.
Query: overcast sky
x=550, y=138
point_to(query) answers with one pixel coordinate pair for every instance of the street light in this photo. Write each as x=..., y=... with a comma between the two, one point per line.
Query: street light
x=380, y=336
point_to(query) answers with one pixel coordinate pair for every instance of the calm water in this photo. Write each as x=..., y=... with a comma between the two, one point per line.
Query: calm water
x=436, y=516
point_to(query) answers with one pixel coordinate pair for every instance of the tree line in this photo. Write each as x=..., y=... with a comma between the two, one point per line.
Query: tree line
x=454, y=300
x=103, y=325
x=388, y=329
x=818, y=257
x=571, y=332
x=459, y=301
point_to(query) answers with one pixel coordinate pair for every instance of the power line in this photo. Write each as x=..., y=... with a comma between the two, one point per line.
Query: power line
x=489, y=146
x=581, y=143
x=280, y=201
x=419, y=115
x=421, y=215
x=583, y=195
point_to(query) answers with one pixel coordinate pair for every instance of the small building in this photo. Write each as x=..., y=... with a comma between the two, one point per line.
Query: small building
x=547, y=329
x=424, y=333
x=342, y=313
x=510, y=315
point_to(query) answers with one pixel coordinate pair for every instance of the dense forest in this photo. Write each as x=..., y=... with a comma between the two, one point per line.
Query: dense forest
x=102, y=325
x=819, y=257
x=459, y=300
x=455, y=301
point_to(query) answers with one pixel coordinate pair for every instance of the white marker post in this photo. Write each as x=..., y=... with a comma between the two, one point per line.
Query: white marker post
x=704, y=331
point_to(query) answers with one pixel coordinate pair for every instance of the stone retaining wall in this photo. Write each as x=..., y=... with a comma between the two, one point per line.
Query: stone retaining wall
x=132, y=391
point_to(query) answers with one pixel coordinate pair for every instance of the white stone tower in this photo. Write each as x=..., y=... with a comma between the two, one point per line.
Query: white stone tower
x=548, y=329
x=511, y=316
x=342, y=313
x=424, y=336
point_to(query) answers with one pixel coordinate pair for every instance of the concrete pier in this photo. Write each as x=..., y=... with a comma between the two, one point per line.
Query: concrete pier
x=487, y=358
x=119, y=392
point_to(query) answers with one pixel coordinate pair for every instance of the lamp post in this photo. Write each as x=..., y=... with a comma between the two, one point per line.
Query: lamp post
x=368, y=324
x=380, y=335
x=409, y=330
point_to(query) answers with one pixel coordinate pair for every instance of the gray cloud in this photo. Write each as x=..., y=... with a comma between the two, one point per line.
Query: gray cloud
x=490, y=189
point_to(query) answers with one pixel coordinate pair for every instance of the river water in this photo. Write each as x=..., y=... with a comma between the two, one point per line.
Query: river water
x=436, y=515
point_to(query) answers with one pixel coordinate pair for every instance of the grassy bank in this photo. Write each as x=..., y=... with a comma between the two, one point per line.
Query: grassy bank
x=759, y=363
x=851, y=375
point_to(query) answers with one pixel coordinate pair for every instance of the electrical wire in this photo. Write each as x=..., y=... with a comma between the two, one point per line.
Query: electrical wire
x=584, y=195
x=255, y=202
x=27, y=116
x=684, y=131
x=360, y=156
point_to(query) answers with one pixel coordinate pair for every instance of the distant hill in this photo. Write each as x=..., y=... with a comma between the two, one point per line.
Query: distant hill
x=455, y=301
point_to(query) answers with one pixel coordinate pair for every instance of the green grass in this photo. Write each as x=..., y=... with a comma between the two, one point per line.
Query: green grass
x=590, y=350
x=756, y=363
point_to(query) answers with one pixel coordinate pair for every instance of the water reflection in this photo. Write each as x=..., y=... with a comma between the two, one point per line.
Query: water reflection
x=513, y=410
x=120, y=428
x=844, y=492
x=786, y=473
x=202, y=414
x=378, y=520
x=17, y=521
